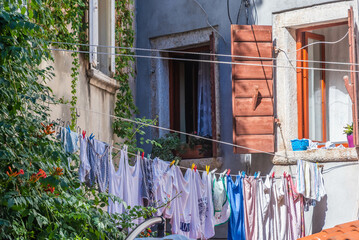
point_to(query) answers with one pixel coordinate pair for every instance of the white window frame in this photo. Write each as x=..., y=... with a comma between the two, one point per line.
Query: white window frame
x=94, y=34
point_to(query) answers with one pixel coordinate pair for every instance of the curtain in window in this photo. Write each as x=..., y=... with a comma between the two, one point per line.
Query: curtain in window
x=204, y=98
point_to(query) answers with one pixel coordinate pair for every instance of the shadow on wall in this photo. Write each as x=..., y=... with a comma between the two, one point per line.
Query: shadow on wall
x=319, y=213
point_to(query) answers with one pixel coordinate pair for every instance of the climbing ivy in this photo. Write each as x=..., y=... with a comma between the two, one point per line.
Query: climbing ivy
x=125, y=106
x=62, y=23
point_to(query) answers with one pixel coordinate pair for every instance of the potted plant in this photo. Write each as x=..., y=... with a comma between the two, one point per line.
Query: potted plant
x=197, y=147
x=169, y=148
x=348, y=130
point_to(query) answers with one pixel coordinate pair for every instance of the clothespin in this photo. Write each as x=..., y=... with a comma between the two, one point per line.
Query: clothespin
x=243, y=174
x=255, y=175
x=228, y=172
x=273, y=174
x=142, y=155
x=173, y=162
x=207, y=169
x=258, y=174
x=193, y=165
x=224, y=172
x=284, y=174
x=91, y=136
x=83, y=134
x=195, y=168
x=214, y=170
x=148, y=156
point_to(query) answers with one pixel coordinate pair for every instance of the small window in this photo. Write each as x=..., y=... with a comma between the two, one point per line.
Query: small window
x=324, y=105
x=102, y=33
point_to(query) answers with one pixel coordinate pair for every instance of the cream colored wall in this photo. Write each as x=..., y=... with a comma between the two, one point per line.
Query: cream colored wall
x=88, y=97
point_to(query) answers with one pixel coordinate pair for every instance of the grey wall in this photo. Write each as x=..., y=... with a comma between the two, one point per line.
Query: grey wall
x=157, y=18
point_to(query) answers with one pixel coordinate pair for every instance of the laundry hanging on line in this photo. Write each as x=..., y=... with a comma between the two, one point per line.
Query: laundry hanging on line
x=195, y=204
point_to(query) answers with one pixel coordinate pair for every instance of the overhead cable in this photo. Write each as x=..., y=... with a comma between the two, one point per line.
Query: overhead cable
x=324, y=42
x=199, y=53
x=207, y=20
x=206, y=61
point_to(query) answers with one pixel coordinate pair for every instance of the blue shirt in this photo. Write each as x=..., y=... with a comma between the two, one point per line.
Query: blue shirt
x=236, y=228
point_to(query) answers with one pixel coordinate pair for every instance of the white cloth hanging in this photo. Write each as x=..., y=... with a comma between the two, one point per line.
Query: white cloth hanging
x=125, y=183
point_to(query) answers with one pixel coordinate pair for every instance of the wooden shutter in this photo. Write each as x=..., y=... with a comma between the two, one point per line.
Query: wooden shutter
x=213, y=93
x=252, y=88
x=353, y=75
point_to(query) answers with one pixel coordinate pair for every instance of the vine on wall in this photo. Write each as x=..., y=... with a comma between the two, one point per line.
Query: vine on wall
x=125, y=106
x=62, y=21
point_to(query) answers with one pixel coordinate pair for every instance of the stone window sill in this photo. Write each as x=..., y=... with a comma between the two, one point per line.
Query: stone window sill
x=214, y=162
x=318, y=155
x=102, y=81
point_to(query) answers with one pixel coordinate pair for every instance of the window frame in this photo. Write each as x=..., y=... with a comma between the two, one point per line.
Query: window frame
x=173, y=103
x=94, y=37
x=302, y=36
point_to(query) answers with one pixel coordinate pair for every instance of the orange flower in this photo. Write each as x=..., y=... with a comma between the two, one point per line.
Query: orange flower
x=14, y=174
x=47, y=129
x=40, y=174
x=57, y=171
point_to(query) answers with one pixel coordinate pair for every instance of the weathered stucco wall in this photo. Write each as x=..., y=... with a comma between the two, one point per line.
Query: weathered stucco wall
x=89, y=97
x=156, y=19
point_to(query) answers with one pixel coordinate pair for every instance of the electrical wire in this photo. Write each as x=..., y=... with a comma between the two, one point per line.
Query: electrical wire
x=200, y=53
x=228, y=13
x=239, y=11
x=206, y=61
x=324, y=42
x=207, y=20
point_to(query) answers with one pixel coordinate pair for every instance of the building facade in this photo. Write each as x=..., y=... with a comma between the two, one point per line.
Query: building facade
x=273, y=93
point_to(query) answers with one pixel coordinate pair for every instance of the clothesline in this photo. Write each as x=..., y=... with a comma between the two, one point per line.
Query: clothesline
x=215, y=54
x=133, y=154
x=176, y=131
x=206, y=61
x=149, y=125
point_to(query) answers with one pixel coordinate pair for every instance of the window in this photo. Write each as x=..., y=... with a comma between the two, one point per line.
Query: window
x=324, y=105
x=190, y=94
x=102, y=32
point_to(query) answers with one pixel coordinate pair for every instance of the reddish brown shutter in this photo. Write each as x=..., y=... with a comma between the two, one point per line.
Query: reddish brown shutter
x=353, y=75
x=213, y=94
x=252, y=88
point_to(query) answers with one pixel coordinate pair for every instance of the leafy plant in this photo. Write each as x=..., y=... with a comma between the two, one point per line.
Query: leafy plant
x=40, y=195
x=348, y=129
x=125, y=107
x=170, y=147
x=206, y=145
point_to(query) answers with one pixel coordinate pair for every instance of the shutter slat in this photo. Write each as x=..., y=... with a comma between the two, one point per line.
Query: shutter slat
x=246, y=88
x=260, y=142
x=258, y=70
x=244, y=107
x=254, y=125
x=253, y=122
x=252, y=49
x=255, y=33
